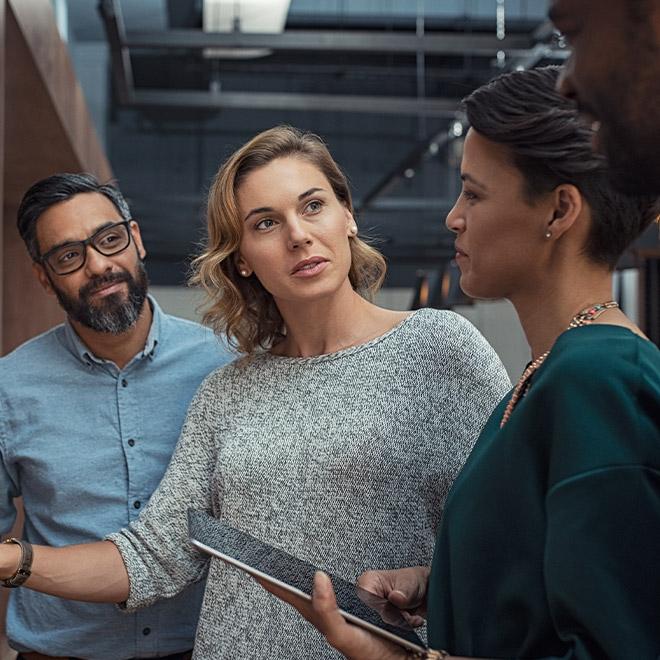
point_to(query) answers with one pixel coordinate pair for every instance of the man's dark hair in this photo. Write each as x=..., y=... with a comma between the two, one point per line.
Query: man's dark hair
x=53, y=190
x=551, y=145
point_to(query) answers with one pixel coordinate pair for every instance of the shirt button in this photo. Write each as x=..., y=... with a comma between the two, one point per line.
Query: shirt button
x=131, y=442
x=146, y=631
x=137, y=504
x=124, y=382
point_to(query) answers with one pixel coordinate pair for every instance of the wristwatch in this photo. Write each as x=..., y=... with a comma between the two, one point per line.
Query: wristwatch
x=23, y=571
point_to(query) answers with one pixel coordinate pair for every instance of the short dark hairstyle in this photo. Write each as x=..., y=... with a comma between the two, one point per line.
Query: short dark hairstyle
x=551, y=145
x=53, y=190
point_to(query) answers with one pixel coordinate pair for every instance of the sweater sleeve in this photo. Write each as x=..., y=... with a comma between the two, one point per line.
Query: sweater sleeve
x=155, y=548
x=476, y=382
x=480, y=379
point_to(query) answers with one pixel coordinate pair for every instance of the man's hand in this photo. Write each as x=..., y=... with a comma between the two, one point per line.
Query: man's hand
x=354, y=642
x=405, y=588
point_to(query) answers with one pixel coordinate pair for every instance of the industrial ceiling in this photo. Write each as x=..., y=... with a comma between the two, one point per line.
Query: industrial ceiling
x=379, y=80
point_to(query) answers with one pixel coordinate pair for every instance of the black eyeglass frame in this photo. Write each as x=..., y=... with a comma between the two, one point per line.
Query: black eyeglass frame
x=88, y=241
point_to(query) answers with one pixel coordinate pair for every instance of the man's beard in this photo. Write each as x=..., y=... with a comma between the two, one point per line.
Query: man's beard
x=634, y=166
x=113, y=314
x=628, y=135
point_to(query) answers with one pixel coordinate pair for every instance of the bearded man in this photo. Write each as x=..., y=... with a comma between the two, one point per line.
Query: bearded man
x=90, y=412
x=614, y=76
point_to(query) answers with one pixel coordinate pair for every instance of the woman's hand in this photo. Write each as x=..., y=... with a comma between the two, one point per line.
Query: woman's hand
x=405, y=588
x=354, y=642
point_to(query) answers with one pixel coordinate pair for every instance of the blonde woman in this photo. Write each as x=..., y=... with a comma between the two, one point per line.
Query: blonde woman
x=335, y=438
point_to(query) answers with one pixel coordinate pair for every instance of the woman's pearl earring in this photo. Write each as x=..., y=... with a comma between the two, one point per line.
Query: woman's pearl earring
x=548, y=234
x=353, y=230
x=244, y=273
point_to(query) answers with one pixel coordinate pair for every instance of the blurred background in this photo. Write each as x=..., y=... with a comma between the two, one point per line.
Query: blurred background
x=157, y=93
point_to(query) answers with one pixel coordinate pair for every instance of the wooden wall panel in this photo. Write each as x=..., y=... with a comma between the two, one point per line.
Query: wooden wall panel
x=47, y=129
x=27, y=310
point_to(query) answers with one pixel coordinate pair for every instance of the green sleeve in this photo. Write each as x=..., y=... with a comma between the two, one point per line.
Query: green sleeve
x=602, y=550
x=601, y=562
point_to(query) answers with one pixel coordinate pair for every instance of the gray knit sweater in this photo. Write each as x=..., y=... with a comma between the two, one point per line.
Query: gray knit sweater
x=343, y=460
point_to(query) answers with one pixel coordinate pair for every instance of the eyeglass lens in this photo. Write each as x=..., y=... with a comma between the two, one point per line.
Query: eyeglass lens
x=108, y=241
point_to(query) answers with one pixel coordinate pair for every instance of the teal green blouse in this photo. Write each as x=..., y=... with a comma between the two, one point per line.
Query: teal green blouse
x=550, y=540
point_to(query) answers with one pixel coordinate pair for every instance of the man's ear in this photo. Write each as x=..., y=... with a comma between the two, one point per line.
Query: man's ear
x=42, y=276
x=137, y=238
x=568, y=205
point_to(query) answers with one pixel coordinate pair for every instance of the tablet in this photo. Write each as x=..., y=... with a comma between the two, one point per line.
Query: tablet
x=260, y=560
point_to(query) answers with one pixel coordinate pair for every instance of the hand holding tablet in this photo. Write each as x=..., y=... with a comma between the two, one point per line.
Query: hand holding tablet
x=282, y=573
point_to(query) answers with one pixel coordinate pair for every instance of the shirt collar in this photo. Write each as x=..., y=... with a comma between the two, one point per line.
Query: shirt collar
x=80, y=350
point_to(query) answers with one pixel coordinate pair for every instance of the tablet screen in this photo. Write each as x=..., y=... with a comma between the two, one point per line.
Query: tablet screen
x=259, y=559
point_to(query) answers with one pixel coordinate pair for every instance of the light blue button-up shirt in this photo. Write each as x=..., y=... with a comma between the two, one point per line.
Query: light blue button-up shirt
x=85, y=444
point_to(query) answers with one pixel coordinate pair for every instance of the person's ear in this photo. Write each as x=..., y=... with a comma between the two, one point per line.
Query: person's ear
x=567, y=207
x=351, y=225
x=242, y=265
x=137, y=238
x=42, y=277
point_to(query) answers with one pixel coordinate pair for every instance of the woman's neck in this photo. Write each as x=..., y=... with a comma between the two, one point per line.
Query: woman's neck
x=331, y=324
x=546, y=311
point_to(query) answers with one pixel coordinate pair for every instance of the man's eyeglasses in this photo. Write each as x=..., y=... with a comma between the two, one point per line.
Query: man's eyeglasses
x=70, y=257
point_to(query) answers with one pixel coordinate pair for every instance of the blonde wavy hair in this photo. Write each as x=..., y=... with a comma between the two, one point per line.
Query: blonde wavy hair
x=239, y=306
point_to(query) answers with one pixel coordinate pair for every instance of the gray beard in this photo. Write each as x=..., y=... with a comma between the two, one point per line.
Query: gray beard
x=114, y=315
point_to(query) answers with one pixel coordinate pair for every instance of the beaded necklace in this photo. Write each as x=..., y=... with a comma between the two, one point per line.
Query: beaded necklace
x=584, y=317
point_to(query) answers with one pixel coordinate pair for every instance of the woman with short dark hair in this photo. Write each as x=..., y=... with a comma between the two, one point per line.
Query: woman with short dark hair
x=550, y=537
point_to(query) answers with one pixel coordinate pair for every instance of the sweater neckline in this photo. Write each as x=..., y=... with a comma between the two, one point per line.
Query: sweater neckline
x=343, y=352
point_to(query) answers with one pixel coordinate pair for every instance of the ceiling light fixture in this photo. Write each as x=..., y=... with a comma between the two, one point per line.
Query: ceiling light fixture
x=246, y=17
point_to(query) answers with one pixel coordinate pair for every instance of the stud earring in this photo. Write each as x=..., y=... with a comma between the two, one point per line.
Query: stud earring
x=244, y=273
x=548, y=234
x=353, y=230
